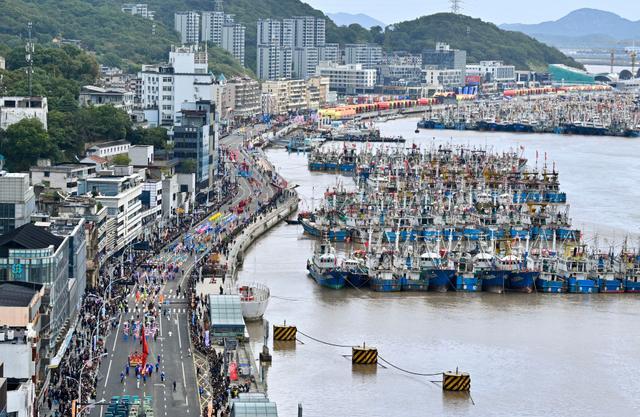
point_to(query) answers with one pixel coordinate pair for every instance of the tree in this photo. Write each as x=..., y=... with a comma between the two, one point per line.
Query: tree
x=188, y=166
x=121, y=159
x=103, y=123
x=24, y=142
x=156, y=136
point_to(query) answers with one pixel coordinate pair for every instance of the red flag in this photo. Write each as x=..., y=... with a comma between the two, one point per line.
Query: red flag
x=145, y=350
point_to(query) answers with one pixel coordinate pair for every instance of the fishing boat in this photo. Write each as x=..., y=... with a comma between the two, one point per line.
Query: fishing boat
x=323, y=267
x=493, y=272
x=355, y=271
x=382, y=275
x=433, y=269
x=318, y=229
x=577, y=271
x=605, y=276
x=413, y=279
x=467, y=278
x=254, y=299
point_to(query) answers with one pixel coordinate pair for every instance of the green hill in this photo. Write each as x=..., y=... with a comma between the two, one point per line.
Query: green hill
x=481, y=40
x=123, y=40
x=116, y=38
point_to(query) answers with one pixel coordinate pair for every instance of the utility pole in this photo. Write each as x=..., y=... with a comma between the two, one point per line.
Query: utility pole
x=29, y=58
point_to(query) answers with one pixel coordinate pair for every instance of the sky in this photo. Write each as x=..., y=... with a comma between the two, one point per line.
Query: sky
x=496, y=11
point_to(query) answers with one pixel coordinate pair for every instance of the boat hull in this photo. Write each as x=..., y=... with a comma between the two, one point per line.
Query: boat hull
x=357, y=279
x=631, y=286
x=549, y=286
x=468, y=284
x=333, y=278
x=385, y=285
x=339, y=235
x=582, y=286
x=440, y=280
x=611, y=286
x=521, y=281
x=493, y=281
x=415, y=285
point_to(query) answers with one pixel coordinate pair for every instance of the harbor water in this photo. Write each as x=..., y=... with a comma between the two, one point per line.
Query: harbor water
x=528, y=355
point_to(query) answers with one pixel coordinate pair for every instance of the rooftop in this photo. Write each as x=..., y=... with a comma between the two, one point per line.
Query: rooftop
x=17, y=294
x=110, y=144
x=28, y=236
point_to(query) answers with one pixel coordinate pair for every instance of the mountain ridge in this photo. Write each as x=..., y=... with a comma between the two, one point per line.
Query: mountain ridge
x=580, y=23
x=346, y=19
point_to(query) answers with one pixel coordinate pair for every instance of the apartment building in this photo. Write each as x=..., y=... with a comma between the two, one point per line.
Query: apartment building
x=17, y=201
x=367, y=55
x=187, y=24
x=348, y=79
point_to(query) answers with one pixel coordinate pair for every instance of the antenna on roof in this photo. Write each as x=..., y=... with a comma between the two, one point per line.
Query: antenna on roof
x=456, y=6
x=28, y=57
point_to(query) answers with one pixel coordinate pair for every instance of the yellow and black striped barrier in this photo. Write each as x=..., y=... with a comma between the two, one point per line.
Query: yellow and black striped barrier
x=364, y=356
x=456, y=381
x=284, y=333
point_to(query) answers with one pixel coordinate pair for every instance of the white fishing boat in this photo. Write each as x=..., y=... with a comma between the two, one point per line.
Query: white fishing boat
x=254, y=299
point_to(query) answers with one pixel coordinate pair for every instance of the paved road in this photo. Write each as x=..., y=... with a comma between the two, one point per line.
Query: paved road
x=172, y=344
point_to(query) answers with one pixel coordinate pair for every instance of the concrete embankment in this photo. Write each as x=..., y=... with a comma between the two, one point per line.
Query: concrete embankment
x=252, y=232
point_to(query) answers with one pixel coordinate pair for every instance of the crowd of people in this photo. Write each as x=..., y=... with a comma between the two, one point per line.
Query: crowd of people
x=77, y=374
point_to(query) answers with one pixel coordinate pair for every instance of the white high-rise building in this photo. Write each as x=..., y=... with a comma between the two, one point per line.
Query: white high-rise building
x=188, y=25
x=164, y=87
x=298, y=37
x=305, y=61
x=233, y=40
x=212, y=23
x=274, y=62
x=367, y=55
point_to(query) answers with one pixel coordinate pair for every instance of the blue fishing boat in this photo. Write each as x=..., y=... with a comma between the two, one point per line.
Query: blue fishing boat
x=355, y=272
x=323, y=267
x=413, y=279
x=632, y=282
x=488, y=270
x=319, y=230
x=522, y=280
x=606, y=278
x=433, y=269
x=549, y=281
x=467, y=278
x=577, y=284
x=577, y=269
x=383, y=276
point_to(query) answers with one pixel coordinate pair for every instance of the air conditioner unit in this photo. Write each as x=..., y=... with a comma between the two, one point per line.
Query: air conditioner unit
x=10, y=334
x=1, y=336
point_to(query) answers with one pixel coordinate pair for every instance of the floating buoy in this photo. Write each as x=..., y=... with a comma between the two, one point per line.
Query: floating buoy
x=284, y=332
x=364, y=355
x=456, y=381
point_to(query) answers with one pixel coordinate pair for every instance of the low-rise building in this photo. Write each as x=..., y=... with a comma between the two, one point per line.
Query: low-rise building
x=14, y=109
x=63, y=177
x=443, y=78
x=109, y=149
x=20, y=348
x=138, y=9
x=321, y=85
x=348, y=79
x=91, y=95
x=17, y=201
x=32, y=254
x=141, y=155
x=493, y=71
x=284, y=96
